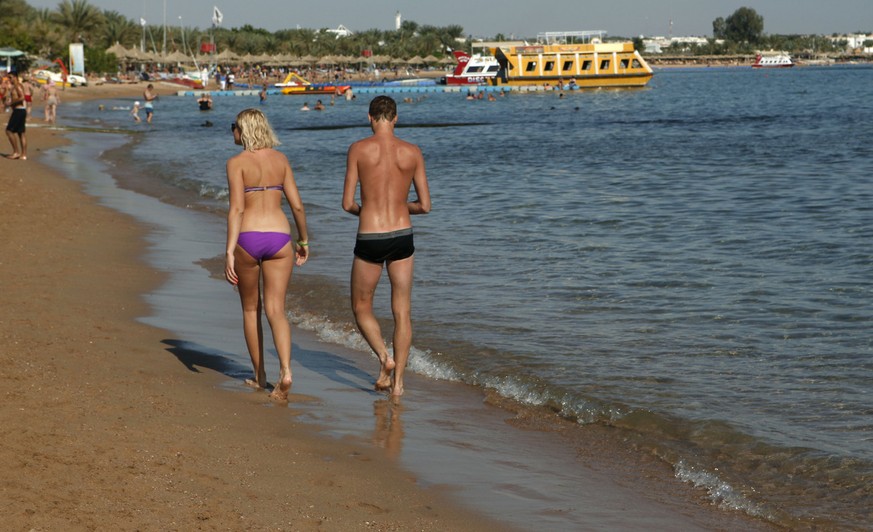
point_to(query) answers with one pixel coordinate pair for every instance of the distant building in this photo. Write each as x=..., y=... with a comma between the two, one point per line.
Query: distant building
x=854, y=42
x=656, y=45
x=341, y=31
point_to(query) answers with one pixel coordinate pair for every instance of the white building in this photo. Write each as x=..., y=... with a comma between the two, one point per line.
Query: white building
x=656, y=45
x=341, y=31
x=855, y=42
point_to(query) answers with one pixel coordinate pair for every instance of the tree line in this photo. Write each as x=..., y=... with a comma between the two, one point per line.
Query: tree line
x=47, y=33
x=742, y=32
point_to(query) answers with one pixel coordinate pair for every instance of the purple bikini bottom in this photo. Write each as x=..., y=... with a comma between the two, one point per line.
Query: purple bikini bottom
x=262, y=245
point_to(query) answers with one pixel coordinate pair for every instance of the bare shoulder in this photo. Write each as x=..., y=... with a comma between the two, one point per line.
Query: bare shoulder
x=409, y=148
x=277, y=155
x=360, y=144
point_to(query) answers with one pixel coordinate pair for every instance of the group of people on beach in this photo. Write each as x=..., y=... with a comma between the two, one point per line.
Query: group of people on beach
x=261, y=251
x=16, y=93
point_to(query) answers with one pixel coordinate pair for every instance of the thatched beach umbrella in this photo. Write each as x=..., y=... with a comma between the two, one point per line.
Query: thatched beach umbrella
x=416, y=60
x=176, y=57
x=430, y=60
x=379, y=59
x=118, y=51
x=227, y=57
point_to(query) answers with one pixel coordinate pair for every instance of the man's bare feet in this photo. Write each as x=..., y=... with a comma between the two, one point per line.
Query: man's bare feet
x=280, y=392
x=14, y=156
x=397, y=391
x=386, y=366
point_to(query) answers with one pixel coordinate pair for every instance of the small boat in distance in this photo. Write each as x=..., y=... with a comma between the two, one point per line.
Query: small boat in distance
x=773, y=61
x=474, y=69
x=296, y=84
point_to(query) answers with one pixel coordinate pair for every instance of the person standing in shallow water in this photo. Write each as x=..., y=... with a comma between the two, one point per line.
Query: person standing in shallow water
x=386, y=169
x=259, y=242
x=149, y=96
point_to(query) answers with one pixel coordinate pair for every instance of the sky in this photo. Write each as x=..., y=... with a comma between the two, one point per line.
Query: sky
x=512, y=18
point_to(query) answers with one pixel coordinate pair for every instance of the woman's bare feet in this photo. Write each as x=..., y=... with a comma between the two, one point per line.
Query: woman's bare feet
x=280, y=392
x=253, y=384
x=386, y=366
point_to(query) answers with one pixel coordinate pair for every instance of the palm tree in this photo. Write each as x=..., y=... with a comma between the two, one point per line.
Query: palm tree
x=119, y=29
x=80, y=20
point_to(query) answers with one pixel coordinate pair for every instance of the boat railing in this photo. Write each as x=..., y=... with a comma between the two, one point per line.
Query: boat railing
x=570, y=37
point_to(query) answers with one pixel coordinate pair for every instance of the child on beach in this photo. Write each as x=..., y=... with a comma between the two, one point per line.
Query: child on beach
x=135, y=112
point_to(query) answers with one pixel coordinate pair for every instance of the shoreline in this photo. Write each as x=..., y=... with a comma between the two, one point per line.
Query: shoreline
x=190, y=353
x=104, y=428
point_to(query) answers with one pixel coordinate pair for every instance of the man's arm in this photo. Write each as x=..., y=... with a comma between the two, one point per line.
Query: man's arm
x=421, y=205
x=351, y=183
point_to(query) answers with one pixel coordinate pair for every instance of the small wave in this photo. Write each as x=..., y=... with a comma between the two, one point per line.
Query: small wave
x=720, y=492
x=420, y=361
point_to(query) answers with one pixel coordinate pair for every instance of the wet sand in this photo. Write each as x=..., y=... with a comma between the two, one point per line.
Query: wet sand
x=104, y=428
x=125, y=407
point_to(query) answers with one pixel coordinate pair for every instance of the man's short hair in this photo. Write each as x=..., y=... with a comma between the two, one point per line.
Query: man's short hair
x=383, y=108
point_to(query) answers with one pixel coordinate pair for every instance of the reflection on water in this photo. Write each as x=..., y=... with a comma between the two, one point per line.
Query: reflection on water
x=388, y=432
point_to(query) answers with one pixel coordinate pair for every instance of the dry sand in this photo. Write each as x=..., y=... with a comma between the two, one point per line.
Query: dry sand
x=103, y=428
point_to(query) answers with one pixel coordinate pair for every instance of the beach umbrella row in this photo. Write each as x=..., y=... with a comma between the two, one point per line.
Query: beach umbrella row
x=227, y=56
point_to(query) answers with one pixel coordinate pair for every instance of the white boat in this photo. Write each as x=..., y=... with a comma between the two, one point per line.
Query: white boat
x=773, y=61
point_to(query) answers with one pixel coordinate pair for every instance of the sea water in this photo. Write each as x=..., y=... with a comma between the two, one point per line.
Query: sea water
x=690, y=262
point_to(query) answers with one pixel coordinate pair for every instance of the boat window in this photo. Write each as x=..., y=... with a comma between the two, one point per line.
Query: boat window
x=604, y=65
x=568, y=65
x=636, y=64
x=550, y=65
x=473, y=69
x=493, y=68
x=624, y=63
x=531, y=66
x=586, y=65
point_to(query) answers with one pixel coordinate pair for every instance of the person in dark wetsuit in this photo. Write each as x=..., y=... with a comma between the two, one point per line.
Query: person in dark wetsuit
x=259, y=242
x=386, y=169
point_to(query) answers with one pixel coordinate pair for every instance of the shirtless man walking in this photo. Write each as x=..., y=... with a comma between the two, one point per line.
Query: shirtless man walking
x=386, y=168
x=17, y=125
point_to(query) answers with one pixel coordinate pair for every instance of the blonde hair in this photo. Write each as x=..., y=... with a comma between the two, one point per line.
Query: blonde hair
x=255, y=131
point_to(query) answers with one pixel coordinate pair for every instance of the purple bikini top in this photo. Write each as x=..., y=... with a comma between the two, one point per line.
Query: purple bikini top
x=272, y=187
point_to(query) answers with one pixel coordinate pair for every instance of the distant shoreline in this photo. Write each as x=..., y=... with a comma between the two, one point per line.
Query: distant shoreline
x=661, y=61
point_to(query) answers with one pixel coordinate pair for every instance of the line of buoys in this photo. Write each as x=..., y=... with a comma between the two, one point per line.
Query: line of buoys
x=376, y=89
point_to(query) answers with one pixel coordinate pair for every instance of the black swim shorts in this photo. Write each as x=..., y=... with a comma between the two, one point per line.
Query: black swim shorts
x=381, y=247
x=18, y=121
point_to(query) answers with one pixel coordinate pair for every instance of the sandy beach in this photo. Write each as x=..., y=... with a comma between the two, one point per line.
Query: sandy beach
x=114, y=419
x=103, y=428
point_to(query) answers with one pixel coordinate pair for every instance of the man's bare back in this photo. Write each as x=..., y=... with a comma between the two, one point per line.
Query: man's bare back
x=385, y=167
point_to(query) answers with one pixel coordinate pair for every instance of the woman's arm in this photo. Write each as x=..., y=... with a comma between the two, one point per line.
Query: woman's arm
x=301, y=246
x=235, y=187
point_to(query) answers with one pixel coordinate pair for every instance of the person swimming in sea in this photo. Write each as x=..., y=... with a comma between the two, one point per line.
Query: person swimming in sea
x=205, y=101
